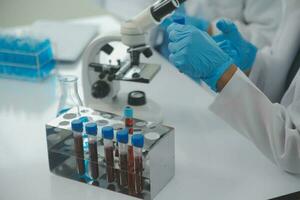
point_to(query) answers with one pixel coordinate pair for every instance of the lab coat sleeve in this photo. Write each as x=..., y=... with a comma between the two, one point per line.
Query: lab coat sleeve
x=269, y=126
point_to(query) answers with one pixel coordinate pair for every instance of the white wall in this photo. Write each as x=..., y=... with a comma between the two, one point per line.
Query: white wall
x=21, y=12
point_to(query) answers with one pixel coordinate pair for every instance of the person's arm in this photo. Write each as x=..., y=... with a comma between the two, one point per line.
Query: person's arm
x=210, y=29
x=226, y=77
x=273, y=128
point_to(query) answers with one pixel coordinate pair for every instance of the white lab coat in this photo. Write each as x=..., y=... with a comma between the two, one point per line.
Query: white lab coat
x=274, y=128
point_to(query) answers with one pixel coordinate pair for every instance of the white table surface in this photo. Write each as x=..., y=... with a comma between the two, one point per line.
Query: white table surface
x=212, y=160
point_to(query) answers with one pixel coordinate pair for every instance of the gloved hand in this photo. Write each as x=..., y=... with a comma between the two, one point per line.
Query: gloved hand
x=232, y=42
x=196, y=54
x=180, y=12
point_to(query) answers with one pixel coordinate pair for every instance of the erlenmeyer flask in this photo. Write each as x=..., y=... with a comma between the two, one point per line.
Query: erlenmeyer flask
x=69, y=97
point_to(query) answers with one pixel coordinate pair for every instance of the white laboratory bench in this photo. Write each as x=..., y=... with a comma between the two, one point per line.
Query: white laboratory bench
x=212, y=160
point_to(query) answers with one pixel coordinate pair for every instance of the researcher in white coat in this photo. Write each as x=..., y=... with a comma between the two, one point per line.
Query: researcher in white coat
x=263, y=23
x=274, y=127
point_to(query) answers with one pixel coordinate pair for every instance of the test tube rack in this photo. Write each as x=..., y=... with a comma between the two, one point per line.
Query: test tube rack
x=158, y=151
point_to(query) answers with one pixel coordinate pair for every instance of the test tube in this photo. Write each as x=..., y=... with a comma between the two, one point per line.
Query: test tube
x=122, y=138
x=77, y=128
x=128, y=116
x=91, y=131
x=85, y=120
x=137, y=141
x=108, y=135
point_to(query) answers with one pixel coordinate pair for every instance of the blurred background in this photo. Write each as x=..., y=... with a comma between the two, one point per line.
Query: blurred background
x=20, y=12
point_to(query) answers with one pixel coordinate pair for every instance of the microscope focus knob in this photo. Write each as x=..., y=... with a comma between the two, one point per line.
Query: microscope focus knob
x=100, y=89
x=148, y=53
x=136, y=98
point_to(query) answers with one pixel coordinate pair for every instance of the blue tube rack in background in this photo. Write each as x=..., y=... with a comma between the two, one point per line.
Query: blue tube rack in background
x=25, y=57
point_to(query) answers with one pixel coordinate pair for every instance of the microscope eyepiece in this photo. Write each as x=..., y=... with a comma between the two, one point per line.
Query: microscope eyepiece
x=164, y=7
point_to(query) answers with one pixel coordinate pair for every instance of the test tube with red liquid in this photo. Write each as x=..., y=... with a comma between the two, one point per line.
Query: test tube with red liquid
x=137, y=141
x=128, y=117
x=108, y=135
x=77, y=128
x=122, y=138
x=91, y=131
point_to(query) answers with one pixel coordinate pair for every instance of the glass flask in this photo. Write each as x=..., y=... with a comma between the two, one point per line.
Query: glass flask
x=69, y=94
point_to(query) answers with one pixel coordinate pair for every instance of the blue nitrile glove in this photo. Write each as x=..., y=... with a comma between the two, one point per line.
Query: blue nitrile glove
x=196, y=54
x=200, y=23
x=233, y=43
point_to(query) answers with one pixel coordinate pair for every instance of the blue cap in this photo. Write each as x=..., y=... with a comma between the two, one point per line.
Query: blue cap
x=84, y=119
x=128, y=112
x=179, y=19
x=137, y=140
x=108, y=132
x=77, y=125
x=122, y=136
x=91, y=129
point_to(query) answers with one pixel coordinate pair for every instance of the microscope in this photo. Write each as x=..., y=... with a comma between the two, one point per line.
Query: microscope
x=108, y=60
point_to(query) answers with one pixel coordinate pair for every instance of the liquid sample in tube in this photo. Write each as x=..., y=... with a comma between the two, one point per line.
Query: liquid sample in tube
x=108, y=135
x=138, y=167
x=77, y=128
x=109, y=156
x=79, y=154
x=122, y=138
x=91, y=131
x=123, y=168
x=137, y=140
x=128, y=116
x=93, y=160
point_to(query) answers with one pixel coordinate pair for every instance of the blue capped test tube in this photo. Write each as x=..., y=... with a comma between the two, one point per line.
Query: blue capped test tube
x=77, y=128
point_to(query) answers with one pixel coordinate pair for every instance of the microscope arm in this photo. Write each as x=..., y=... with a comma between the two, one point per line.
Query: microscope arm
x=133, y=31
